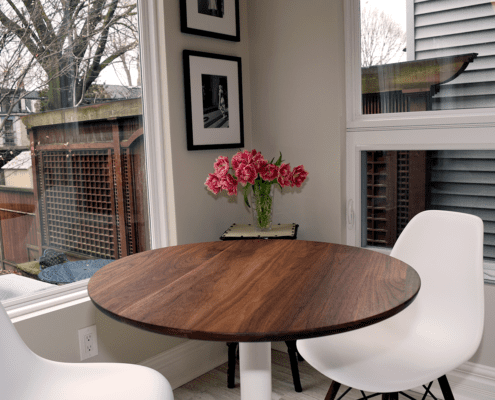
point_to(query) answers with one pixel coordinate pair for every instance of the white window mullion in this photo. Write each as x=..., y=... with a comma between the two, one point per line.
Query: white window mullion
x=152, y=111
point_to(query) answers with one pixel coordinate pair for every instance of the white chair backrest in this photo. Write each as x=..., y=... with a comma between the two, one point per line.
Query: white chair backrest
x=446, y=249
x=15, y=356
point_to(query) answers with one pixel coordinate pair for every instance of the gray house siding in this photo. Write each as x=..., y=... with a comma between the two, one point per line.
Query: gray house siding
x=449, y=27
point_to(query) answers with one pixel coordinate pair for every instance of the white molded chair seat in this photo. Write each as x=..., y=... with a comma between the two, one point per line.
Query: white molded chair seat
x=26, y=376
x=439, y=331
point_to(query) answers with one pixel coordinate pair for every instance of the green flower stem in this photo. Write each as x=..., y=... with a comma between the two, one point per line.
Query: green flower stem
x=262, y=200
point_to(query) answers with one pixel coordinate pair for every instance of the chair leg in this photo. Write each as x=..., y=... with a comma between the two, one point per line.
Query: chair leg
x=332, y=392
x=390, y=396
x=292, y=349
x=231, y=364
x=446, y=390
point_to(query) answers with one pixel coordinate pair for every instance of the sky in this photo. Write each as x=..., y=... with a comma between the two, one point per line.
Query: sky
x=395, y=8
x=115, y=75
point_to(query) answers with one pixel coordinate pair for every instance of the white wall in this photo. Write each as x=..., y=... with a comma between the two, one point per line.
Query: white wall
x=298, y=97
x=21, y=134
x=22, y=178
x=53, y=335
x=486, y=352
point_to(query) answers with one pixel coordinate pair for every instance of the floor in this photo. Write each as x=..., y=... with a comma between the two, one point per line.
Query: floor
x=213, y=385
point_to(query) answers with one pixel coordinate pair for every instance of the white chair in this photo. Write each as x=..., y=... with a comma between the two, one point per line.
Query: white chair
x=439, y=331
x=26, y=376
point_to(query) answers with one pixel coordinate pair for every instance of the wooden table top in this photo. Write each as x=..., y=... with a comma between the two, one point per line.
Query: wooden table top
x=254, y=290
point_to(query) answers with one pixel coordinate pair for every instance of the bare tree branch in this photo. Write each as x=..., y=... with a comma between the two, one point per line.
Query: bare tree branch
x=70, y=40
x=382, y=38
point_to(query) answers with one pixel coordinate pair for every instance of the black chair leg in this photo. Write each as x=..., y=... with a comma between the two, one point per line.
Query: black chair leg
x=446, y=390
x=332, y=392
x=231, y=364
x=292, y=349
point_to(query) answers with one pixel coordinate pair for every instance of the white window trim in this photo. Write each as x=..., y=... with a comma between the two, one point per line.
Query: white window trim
x=155, y=130
x=432, y=130
x=423, y=119
x=155, y=171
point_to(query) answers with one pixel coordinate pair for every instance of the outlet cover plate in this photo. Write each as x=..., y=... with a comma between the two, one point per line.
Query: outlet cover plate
x=88, y=343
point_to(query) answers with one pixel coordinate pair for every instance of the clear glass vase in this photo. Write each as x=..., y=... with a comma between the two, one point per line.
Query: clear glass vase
x=262, y=206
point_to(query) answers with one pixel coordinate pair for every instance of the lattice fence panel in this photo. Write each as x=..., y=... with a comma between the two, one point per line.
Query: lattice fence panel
x=129, y=212
x=117, y=218
x=77, y=195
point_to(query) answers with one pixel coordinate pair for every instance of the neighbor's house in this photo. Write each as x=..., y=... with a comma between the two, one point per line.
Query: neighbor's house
x=448, y=28
x=13, y=137
x=14, y=132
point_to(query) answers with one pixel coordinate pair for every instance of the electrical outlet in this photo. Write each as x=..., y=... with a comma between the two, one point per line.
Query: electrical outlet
x=88, y=344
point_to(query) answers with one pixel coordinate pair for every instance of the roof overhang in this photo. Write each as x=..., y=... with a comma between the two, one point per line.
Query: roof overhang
x=414, y=76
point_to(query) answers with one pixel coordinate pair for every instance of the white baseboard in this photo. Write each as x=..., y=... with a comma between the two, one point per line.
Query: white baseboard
x=192, y=359
x=187, y=361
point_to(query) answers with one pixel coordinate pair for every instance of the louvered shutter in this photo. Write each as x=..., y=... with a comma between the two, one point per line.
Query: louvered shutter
x=464, y=181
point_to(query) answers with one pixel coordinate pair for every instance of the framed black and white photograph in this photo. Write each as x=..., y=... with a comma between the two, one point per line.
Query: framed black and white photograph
x=213, y=90
x=213, y=18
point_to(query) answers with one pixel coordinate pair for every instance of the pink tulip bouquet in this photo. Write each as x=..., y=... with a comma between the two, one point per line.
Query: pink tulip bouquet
x=252, y=170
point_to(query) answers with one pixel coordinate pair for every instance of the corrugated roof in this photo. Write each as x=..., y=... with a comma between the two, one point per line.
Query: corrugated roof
x=22, y=161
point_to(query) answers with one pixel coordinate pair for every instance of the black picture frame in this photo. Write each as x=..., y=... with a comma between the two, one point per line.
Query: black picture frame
x=213, y=18
x=214, y=107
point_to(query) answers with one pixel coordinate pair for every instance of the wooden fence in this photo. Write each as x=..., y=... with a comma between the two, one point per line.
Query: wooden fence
x=89, y=195
x=18, y=227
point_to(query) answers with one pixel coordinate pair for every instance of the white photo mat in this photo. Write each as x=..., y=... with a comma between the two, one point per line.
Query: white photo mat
x=224, y=27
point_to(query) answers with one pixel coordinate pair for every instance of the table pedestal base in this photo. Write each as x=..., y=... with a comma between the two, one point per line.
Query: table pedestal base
x=256, y=370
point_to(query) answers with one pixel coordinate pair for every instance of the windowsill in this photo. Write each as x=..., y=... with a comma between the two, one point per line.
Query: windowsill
x=46, y=300
x=421, y=119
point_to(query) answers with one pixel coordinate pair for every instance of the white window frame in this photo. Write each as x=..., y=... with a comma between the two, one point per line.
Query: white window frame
x=358, y=122
x=472, y=129
x=66, y=295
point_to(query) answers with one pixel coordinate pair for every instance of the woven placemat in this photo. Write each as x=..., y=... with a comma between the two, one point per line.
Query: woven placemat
x=248, y=231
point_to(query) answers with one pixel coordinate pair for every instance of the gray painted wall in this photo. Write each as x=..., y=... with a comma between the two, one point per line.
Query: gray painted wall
x=298, y=106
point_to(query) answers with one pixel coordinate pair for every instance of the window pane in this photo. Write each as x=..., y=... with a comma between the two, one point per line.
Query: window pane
x=72, y=178
x=449, y=64
x=397, y=185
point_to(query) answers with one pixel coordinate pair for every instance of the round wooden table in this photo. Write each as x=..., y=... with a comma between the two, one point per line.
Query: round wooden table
x=254, y=292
